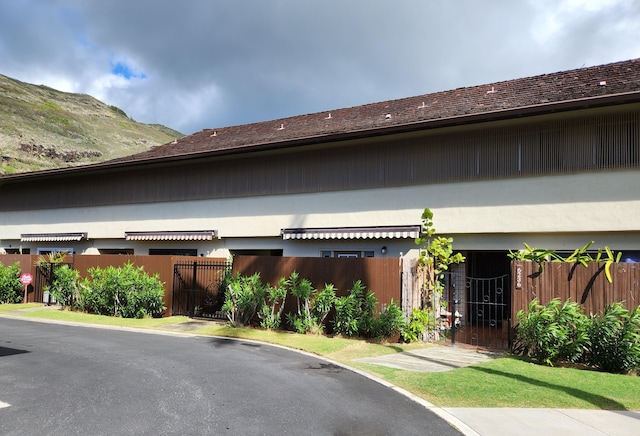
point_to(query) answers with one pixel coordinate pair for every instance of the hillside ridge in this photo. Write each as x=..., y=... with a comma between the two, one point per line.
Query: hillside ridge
x=43, y=128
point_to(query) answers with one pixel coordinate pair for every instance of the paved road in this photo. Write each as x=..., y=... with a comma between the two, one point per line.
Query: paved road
x=57, y=380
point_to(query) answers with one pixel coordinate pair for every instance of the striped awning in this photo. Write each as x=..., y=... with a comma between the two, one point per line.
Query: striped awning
x=193, y=235
x=390, y=232
x=52, y=237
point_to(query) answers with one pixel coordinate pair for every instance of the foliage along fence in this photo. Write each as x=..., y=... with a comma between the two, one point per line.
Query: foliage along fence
x=569, y=281
x=380, y=275
x=161, y=265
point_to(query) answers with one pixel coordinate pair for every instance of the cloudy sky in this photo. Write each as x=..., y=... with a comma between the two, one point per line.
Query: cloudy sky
x=195, y=64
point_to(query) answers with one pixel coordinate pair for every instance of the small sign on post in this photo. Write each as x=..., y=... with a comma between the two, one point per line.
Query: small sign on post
x=25, y=279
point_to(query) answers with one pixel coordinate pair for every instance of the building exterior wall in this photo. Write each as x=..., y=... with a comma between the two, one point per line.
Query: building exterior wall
x=481, y=215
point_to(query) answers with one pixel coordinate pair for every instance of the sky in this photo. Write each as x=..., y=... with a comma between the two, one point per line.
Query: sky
x=196, y=64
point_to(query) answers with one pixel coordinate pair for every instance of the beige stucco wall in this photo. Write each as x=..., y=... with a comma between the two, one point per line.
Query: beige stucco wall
x=562, y=210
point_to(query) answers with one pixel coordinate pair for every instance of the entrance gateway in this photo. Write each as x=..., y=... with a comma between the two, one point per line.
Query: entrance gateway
x=480, y=311
x=197, y=287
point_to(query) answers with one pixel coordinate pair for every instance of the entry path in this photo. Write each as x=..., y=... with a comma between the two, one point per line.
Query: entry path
x=61, y=380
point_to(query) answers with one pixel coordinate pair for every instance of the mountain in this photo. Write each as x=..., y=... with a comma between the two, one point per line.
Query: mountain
x=42, y=128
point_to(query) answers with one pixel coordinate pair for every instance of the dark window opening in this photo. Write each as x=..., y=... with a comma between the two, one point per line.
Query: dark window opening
x=173, y=251
x=276, y=252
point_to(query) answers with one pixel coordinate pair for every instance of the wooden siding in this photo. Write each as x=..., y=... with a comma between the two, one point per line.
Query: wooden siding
x=587, y=285
x=382, y=276
x=479, y=152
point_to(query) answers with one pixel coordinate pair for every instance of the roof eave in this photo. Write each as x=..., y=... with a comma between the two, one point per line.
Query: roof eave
x=427, y=124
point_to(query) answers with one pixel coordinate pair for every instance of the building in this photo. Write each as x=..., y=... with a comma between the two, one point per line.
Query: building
x=551, y=160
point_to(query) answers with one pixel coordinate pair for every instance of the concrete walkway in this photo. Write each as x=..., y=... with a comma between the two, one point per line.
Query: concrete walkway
x=433, y=359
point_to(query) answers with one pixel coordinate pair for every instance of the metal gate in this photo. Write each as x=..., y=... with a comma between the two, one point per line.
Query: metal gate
x=198, y=288
x=478, y=311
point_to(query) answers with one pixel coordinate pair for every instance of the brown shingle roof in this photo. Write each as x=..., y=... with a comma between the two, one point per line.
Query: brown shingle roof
x=540, y=92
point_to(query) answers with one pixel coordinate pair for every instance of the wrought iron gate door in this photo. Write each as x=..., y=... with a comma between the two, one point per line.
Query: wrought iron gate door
x=480, y=311
x=198, y=287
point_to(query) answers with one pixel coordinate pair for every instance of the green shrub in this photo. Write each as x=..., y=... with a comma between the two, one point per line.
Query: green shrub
x=243, y=297
x=10, y=286
x=355, y=312
x=312, y=306
x=126, y=291
x=554, y=332
x=271, y=313
x=65, y=286
x=615, y=339
x=390, y=322
x=417, y=325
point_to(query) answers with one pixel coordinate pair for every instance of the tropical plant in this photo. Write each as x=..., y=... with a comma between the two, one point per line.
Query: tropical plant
x=312, y=305
x=125, y=291
x=243, y=297
x=65, y=287
x=419, y=320
x=389, y=322
x=615, y=339
x=323, y=302
x=580, y=256
x=271, y=312
x=553, y=332
x=355, y=312
x=437, y=256
x=10, y=286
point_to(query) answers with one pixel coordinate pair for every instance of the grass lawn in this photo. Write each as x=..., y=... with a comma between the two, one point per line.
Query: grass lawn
x=503, y=382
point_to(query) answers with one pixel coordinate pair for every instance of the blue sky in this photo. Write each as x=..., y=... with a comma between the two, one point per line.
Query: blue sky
x=212, y=63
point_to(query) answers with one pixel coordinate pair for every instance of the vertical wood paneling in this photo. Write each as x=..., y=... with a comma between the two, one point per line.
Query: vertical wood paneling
x=554, y=283
x=380, y=275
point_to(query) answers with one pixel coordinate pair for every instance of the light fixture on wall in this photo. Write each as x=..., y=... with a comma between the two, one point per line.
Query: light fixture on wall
x=383, y=250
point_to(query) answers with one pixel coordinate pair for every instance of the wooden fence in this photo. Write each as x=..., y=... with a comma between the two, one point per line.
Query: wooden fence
x=567, y=281
x=382, y=276
x=161, y=265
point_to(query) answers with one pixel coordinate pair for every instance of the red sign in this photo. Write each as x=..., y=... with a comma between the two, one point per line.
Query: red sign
x=26, y=278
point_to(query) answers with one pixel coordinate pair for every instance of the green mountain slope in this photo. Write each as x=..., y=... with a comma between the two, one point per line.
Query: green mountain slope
x=41, y=128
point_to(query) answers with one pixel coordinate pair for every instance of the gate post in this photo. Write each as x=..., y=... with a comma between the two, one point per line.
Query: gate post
x=192, y=291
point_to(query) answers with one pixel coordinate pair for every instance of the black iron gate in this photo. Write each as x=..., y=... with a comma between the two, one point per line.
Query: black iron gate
x=478, y=311
x=198, y=287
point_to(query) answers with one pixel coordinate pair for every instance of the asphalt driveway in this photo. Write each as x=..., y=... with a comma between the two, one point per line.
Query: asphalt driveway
x=58, y=379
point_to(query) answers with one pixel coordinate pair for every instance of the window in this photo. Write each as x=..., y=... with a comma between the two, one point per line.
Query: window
x=347, y=254
x=50, y=250
x=18, y=250
x=115, y=250
x=173, y=251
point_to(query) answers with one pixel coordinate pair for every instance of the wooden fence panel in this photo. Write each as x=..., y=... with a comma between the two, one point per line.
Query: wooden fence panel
x=380, y=275
x=566, y=281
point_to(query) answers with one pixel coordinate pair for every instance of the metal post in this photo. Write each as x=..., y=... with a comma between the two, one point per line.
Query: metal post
x=453, y=308
x=192, y=294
